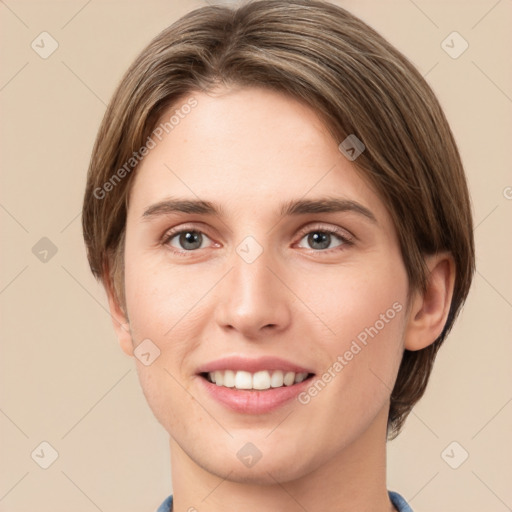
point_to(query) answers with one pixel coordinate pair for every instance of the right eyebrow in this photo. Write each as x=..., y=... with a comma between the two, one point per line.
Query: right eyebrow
x=182, y=206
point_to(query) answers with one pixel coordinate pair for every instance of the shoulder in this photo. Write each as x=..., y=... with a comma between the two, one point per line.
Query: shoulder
x=166, y=506
x=396, y=499
x=398, y=502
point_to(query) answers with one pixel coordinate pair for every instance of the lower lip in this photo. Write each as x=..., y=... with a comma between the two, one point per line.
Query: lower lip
x=254, y=401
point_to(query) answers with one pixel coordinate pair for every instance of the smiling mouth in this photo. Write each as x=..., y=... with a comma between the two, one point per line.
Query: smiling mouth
x=257, y=381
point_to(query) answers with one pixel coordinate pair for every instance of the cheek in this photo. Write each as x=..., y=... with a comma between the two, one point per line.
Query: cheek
x=158, y=297
x=364, y=310
x=352, y=301
x=162, y=307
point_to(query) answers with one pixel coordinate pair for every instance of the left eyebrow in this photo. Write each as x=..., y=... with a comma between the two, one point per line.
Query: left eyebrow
x=325, y=205
x=290, y=208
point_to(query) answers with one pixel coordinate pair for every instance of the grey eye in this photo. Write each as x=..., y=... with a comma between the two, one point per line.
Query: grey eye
x=188, y=240
x=321, y=240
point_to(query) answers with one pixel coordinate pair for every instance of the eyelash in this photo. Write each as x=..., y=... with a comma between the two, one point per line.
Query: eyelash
x=341, y=234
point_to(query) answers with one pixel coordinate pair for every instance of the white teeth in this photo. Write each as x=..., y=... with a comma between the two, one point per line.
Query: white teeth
x=219, y=378
x=289, y=377
x=243, y=380
x=300, y=377
x=259, y=380
x=276, y=380
x=229, y=379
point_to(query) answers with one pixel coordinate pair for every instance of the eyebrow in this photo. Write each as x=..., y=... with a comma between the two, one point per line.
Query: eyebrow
x=289, y=208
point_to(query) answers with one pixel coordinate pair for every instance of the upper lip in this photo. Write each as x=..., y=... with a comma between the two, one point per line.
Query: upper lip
x=252, y=365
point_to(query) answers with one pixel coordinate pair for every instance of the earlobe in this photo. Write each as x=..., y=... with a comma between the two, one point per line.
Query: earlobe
x=119, y=319
x=429, y=311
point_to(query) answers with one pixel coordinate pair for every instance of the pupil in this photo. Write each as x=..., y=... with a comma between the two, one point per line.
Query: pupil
x=190, y=237
x=319, y=238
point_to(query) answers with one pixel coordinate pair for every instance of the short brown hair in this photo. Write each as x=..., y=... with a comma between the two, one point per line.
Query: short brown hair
x=355, y=80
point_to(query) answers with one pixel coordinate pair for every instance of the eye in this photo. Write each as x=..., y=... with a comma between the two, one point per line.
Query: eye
x=185, y=240
x=321, y=239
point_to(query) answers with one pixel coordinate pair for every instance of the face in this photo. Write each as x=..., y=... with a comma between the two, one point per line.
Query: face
x=264, y=284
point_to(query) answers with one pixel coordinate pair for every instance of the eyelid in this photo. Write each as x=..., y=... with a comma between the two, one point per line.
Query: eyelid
x=343, y=233
x=171, y=232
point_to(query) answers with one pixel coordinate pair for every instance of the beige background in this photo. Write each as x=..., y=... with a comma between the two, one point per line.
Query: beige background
x=63, y=378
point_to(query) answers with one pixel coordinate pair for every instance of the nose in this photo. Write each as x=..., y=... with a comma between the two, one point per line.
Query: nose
x=254, y=298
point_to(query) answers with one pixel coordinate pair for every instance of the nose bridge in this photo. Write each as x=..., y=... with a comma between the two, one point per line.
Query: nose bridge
x=252, y=296
x=251, y=270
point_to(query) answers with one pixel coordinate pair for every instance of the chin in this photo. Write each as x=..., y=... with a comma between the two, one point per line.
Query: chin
x=274, y=466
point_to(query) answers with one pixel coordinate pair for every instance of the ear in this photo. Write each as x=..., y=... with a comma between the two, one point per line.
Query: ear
x=429, y=311
x=119, y=319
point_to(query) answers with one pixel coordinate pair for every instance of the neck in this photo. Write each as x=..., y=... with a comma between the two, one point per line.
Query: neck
x=351, y=479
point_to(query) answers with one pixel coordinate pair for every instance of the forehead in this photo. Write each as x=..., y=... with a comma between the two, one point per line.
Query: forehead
x=245, y=148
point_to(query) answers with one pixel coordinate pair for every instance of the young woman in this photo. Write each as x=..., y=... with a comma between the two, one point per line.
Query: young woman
x=278, y=212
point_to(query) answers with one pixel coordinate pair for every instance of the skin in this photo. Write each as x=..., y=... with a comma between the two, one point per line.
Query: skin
x=249, y=150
